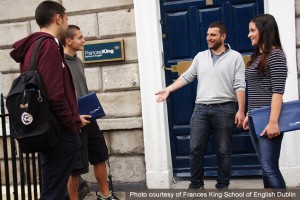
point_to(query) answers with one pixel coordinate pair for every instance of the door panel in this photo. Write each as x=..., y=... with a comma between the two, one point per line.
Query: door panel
x=178, y=28
x=184, y=25
x=206, y=17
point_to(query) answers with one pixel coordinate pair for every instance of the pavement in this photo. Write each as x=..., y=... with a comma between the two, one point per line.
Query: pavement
x=178, y=183
x=235, y=183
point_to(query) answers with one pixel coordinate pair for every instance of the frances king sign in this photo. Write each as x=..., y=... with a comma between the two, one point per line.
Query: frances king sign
x=103, y=51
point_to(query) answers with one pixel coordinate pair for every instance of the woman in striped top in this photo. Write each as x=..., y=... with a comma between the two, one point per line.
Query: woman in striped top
x=266, y=75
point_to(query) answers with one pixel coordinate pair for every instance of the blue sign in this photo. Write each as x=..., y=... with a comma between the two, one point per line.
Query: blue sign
x=103, y=51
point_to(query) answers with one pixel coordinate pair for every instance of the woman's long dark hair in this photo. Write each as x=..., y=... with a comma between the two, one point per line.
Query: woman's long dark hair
x=268, y=39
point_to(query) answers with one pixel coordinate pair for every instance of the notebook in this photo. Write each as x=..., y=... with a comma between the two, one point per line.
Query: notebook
x=289, y=119
x=90, y=105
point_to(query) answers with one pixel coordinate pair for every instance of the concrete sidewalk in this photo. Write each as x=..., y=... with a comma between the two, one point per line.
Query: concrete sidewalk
x=235, y=183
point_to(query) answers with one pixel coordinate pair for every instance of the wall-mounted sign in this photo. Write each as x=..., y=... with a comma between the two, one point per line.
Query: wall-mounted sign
x=103, y=51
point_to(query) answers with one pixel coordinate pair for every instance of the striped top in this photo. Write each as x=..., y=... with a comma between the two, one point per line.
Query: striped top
x=262, y=86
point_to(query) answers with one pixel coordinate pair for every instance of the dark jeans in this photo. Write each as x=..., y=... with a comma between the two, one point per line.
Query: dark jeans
x=268, y=151
x=216, y=120
x=57, y=165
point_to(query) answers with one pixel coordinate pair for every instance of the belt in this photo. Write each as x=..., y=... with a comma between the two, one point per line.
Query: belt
x=217, y=104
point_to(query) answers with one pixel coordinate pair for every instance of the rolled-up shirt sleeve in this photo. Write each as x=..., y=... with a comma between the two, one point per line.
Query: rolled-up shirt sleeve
x=239, y=83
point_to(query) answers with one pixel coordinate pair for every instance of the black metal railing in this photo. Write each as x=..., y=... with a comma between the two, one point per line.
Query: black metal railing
x=21, y=177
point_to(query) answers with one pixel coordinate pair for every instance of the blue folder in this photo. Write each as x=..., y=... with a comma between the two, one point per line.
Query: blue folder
x=289, y=119
x=90, y=105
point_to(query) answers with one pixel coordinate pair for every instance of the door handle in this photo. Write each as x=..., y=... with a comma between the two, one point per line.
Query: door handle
x=173, y=68
x=209, y=2
x=181, y=67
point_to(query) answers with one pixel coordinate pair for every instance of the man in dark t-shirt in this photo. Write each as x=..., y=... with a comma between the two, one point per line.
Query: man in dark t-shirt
x=93, y=146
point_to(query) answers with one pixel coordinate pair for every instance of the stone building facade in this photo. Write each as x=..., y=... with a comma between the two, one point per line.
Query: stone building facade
x=136, y=128
x=116, y=83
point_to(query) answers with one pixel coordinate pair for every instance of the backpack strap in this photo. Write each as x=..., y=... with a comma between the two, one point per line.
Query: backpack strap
x=32, y=66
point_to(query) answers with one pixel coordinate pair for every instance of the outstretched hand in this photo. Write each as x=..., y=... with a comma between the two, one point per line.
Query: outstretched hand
x=162, y=95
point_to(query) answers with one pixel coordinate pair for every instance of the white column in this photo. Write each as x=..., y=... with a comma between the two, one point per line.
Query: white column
x=152, y=78
x=284, y=12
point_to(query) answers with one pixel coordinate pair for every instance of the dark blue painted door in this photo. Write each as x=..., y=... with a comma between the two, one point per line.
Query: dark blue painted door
x=184, y=26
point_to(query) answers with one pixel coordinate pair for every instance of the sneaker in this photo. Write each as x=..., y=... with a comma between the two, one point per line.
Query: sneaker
x=221, y=186
x=111, y=197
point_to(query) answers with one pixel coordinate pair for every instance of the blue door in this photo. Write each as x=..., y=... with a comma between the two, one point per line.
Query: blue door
x=184, y=26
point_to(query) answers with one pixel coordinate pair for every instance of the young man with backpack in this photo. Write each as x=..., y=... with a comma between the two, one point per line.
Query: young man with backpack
x=93, y=147
x=57, y=162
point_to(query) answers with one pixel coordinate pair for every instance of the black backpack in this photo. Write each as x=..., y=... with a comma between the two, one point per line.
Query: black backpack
x=32, y=122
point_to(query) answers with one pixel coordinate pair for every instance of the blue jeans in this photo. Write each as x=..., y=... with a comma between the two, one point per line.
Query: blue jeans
x=216, y=120
x=268, y=151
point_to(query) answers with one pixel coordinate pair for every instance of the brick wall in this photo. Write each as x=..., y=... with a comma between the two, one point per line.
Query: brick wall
x=116, y=83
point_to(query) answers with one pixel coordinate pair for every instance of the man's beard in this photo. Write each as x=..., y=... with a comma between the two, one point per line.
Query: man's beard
x=63, y=37
x=216, y=45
